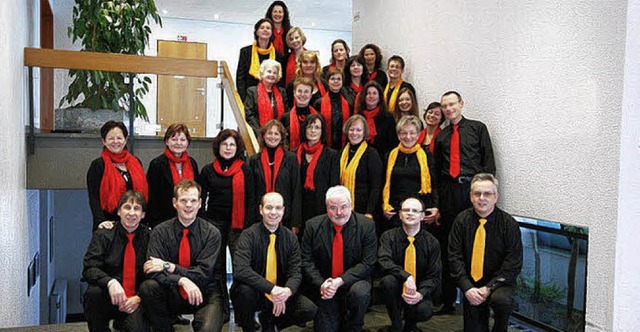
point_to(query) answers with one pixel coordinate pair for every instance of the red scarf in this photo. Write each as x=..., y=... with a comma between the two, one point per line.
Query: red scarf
x=265, y=110
x=356, y=88
x=321, y=88
x=373, y=75
x=326, y=111
x=113, y=185
x=370, y=115
x=237, y=190
x=423, y=135
x=316, y=151
x=187, y=170
x=278, y=42
x=270, y=179
x=294, y=127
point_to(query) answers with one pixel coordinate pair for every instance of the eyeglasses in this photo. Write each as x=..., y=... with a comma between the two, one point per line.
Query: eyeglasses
x=314, y=127
x=487, y=194
x=407, y=210
x=408, y=133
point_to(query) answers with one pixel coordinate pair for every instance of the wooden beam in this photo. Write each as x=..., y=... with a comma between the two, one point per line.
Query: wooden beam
x=237, y=107
x=121, y=63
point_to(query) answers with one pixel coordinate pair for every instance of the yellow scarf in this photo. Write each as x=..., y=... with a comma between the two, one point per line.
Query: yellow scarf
x=394, y=96
x=348, y=169
x=254, y=69
x=425, y=177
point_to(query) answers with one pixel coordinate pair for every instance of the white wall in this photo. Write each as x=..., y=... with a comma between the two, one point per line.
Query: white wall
x=223, y=39
x=547, y=78
x=627, y=278
x=19, y=235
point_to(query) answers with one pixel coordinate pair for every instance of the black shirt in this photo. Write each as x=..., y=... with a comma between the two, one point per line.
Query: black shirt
x=325, y=176
x=406, y=180
x=394, y=243
x=104, y=258
x=476, y=153
x=369, y=179
x=204, y=240
x=250, y=260
x=503, y=249
x=217, y=195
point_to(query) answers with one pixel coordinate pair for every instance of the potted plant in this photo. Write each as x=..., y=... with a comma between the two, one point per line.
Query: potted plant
x=114, y=26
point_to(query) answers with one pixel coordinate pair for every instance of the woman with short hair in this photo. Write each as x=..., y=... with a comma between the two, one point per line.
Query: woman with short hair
x=408, y=174
x=267, y=100
x=166, y=170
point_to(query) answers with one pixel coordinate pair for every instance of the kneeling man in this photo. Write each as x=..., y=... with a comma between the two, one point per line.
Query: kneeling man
x=338, y=256
x=485, y=254
x=409, y=258
x=182, y=255
x=113, y=269
x=266, y=272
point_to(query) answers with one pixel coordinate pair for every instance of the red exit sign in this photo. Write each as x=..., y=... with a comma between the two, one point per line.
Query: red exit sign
x=182, y=38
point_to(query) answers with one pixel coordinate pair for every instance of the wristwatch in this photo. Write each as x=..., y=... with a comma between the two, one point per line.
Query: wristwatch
x=166, y=266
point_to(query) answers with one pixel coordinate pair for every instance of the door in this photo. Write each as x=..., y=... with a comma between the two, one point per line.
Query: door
x=182, y=99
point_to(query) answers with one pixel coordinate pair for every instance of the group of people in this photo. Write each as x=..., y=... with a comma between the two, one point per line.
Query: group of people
x=349, y=180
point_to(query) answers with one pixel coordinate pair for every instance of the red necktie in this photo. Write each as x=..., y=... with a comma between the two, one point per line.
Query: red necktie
x=184, y=257
x=454, y=156
x=129, y=268
x=337, y=262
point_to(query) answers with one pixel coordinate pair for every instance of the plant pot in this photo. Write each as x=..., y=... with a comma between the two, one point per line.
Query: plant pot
x=83, y=120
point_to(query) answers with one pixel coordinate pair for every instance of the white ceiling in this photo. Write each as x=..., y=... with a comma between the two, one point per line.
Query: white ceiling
x=316, y=14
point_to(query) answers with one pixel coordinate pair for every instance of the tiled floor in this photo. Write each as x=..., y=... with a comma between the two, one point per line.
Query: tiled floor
x=375, y=319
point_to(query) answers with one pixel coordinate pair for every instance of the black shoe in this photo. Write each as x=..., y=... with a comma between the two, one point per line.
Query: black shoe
x=391, y=328
x=446, y=310
x=181, y=320
x=411, y=327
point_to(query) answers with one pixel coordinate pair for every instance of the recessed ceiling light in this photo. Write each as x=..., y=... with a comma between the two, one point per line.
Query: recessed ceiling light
x=165, y=12
x=216, y=17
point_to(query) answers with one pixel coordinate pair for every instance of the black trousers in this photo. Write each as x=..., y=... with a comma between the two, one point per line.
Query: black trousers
x=454, y=198
x=392, y=291
x=247, y=300
x=228, y=237
x=163, y=303
x=98, y=311
x=476, y=318
x=345, y=311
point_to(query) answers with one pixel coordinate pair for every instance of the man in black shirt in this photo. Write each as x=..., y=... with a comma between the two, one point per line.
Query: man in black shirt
x=485, y=253
x=462, y=150
x=338, y=256
x=113, y=269
x=278, y=302
x=409, y=258
x=182, y=255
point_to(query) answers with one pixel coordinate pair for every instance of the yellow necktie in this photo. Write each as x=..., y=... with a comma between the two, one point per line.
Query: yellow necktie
x=410, y=260
x=477, y=256
x=272, y=262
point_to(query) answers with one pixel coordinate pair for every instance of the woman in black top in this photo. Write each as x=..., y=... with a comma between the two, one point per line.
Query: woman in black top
x=408, y=173
x=336, y=107
x=318, y=167
x=406, y=105
x=373, y=58
x=111, y=175
x=247, y=73
x=265, y=101
x=355, y=76
x=275, y=169
x=278, y=13
x=371, y=105
x=361, y=168
x=227, y=197
x=295, y=40
x=339, y=55
x=166, y=170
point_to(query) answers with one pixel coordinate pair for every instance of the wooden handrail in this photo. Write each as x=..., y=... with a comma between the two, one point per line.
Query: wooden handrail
x=237, y=108
x=121, y=63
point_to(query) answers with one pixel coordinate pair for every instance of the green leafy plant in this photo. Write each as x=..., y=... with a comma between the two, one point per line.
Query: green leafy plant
x=116, y=26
